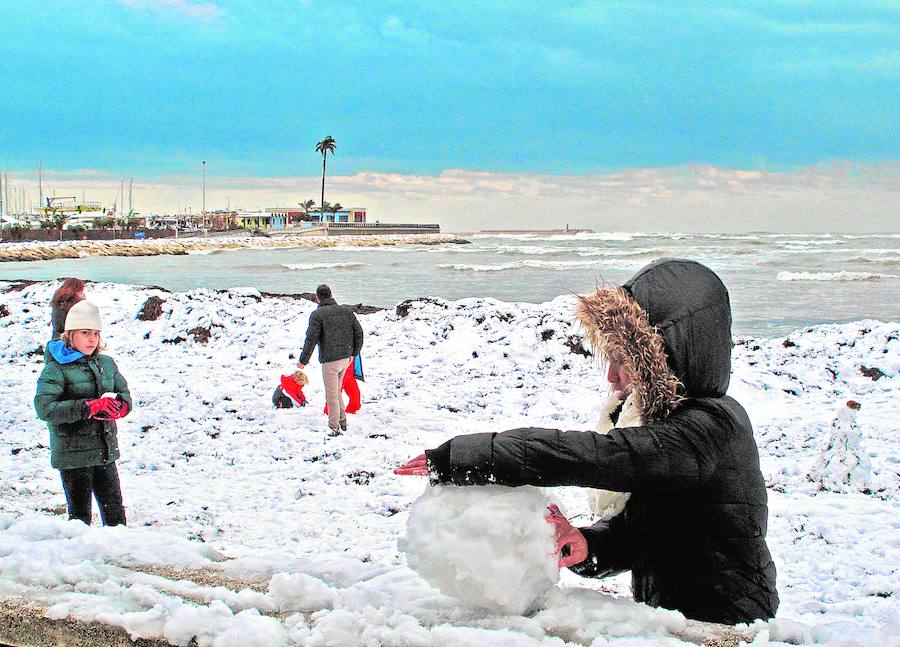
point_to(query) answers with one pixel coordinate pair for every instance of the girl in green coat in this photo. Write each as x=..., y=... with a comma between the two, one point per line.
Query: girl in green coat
x=80, y=394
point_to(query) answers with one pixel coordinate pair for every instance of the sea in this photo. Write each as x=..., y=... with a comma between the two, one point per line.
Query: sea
x=778, y=282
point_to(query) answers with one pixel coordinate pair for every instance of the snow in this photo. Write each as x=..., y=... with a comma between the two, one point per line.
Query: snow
x=490, y=547
x=300, y=531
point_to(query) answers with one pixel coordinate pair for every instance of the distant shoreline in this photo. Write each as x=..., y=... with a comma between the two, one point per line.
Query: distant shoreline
x=43, y=251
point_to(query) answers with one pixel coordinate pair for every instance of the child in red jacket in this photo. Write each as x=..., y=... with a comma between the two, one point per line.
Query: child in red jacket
x=290, y=393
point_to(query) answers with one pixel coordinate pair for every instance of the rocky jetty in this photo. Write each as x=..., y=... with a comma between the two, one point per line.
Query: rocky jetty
x=42, y=251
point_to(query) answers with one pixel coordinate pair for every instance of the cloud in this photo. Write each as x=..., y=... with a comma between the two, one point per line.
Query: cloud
x=394, y=28
x=203, y=11
x=836, y=197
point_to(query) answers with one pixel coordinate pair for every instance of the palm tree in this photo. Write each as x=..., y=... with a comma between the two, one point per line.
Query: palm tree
x=306, y=205
x=325, y=146
x=334, y=208
x=326, y=208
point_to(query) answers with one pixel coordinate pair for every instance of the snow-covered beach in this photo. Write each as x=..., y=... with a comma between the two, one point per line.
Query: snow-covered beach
x=41, y=251
x=297, y=532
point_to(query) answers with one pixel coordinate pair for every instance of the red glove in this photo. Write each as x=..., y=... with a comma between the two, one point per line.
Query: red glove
x=106, y=409
x=417, y=466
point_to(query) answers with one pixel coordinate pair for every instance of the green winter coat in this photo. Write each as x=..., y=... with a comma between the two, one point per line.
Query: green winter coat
x=62, y=390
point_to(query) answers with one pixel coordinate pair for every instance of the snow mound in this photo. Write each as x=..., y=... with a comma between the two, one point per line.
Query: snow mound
x=490, y=547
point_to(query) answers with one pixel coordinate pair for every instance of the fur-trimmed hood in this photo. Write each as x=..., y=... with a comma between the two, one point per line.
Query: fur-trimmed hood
x=670, y=326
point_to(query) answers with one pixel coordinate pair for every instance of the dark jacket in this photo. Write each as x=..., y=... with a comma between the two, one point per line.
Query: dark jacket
x=62, y=390
x=336, y=331
x=693, y=531
x=58, y=314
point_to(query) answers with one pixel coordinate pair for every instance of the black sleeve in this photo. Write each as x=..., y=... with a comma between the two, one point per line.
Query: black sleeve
x=681, y=451
x=313, y=331
x=609, y=549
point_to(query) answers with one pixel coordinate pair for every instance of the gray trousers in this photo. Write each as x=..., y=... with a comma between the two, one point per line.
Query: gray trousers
x=333, y=376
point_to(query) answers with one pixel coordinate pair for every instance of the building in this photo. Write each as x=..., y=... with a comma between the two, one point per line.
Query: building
x=350, y=214
x=290, y=215
x=261, y=219
x=280, y=217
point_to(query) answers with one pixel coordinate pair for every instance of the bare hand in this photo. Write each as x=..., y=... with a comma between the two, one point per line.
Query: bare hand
x=301, y=365
x=417, y=466
x=569, y=536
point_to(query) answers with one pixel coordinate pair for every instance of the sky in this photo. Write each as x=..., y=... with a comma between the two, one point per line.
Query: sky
x=545, y=93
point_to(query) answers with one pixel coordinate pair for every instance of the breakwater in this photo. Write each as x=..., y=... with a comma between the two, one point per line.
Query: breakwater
x=42, y=251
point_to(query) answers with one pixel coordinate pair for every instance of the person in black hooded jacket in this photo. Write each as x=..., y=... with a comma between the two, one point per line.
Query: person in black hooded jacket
x=693, y=529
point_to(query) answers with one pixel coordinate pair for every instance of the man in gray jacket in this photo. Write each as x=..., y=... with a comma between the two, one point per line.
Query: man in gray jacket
x=340, y=338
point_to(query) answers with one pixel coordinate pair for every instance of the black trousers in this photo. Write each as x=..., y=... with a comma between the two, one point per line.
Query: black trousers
x=101, y=481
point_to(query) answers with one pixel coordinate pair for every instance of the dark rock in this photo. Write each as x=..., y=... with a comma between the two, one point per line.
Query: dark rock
x=787, y=343
x=4, y=311
x=547, y=334
x=872, y=373
x=151, y=310
x=402, y=309
x=201, y=334
x=18, y=285
x=360, y=477
x=574, y=344
x=305, y=296
x=361, y=309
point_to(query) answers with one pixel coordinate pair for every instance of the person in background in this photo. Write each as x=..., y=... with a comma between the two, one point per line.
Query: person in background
x=336, y=331
x=289, y=392
x=80, y=394
x=693, y=529
x=69, y=293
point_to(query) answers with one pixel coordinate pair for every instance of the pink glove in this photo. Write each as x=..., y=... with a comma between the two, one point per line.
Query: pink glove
x=571, y=544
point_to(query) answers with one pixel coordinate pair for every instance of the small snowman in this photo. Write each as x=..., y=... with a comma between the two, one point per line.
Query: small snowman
x=843, y=465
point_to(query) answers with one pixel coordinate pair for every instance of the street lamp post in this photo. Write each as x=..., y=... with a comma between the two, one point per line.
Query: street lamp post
x=204, y=189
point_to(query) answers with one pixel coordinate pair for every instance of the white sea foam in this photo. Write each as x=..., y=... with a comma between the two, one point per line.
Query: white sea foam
x=617, y=236
x=834, y=276
x=809, y=242
x=516, y=265
x=587, y=251
x=322, y=266
x=531, y=250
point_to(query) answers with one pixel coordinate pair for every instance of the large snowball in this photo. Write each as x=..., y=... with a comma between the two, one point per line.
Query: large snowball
x=489, y=547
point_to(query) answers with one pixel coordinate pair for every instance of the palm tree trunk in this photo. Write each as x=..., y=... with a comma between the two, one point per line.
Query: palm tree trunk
x=322, y=203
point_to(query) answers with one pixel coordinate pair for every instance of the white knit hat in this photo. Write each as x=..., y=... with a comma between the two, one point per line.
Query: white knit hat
x=84, y=315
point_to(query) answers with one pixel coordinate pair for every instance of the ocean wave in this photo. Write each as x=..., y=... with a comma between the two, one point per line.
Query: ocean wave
x=834, y=276
x=584, y=251
x=795, y=242
x=529, y=250
x=321, y=266
x=615, y=236
x=516, y=265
